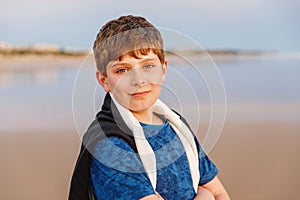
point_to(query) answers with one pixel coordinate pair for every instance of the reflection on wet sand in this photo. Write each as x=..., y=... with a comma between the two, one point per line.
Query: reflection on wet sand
x=48, y=76
x=33, y=69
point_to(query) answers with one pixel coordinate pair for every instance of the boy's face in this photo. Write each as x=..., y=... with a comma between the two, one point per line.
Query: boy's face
x=136, y=83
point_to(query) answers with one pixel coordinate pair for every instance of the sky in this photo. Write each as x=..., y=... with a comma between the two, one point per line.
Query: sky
x=215, y=24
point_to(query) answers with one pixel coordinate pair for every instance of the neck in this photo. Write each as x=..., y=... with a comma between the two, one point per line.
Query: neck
x=143, y=116
x=147, y=117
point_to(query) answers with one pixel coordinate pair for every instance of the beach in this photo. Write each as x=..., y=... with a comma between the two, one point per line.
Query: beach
x=256, y=153
x=255, y=161
x=259, y=160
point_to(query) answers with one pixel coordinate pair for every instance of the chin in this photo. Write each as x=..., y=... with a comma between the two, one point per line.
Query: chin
x=140, y=107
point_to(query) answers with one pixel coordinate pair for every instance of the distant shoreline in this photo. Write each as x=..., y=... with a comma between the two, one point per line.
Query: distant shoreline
x=6, y=49
x=41, y=51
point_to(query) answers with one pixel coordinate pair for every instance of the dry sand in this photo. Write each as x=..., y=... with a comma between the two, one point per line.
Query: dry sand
x=259, y=160
x=256, y=160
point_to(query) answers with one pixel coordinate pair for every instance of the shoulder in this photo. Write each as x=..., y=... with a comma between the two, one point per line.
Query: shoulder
x=112, y=143
x=182, y=118
x=100, y=130
x=114, y=152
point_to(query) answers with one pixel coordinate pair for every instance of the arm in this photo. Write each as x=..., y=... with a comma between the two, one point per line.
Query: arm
x=204, y=194
x=209, y=185
x=216, y=188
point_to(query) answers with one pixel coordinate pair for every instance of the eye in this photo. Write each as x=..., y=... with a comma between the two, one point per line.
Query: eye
x=149, y=66
x=122, y=70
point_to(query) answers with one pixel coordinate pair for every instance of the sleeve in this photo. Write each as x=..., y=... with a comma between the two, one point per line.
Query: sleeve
x=117, y=172
x=207, y=168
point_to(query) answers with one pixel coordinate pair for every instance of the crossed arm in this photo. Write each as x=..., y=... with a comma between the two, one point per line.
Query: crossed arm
x=213, y=190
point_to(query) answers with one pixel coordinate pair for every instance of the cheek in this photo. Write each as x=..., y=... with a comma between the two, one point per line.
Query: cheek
x=158, y=88
x=157, y=78
x=118, y=84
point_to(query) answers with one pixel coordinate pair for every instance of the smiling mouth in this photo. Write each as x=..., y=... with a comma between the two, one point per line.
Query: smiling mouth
x=140, y=94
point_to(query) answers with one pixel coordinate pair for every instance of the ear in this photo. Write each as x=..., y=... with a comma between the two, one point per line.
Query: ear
x=164, y=70
x=102, y=80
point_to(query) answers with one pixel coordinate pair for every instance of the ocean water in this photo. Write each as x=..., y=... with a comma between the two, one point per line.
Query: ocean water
x=65, y=95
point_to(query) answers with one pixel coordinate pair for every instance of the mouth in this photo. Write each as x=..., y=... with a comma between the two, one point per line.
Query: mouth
x=140, y=94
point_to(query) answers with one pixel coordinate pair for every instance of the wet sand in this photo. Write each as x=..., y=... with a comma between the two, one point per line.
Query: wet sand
x=257, y=160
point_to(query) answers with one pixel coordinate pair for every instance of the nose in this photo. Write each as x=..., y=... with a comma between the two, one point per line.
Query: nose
x=138, y=78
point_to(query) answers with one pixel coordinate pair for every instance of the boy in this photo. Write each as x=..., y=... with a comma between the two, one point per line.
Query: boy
x=138, y=148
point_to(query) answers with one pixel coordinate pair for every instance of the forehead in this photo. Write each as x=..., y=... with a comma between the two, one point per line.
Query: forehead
x=133, y=58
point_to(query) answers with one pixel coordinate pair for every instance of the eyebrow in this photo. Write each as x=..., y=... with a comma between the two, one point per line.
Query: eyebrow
x=147, y=60
x=119, y=63
x=126, y=63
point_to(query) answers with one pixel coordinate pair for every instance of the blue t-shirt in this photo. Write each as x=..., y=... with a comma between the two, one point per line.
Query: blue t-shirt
x=117, y=172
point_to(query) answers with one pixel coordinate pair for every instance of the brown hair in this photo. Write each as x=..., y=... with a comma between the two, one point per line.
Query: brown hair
x=127, y=35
